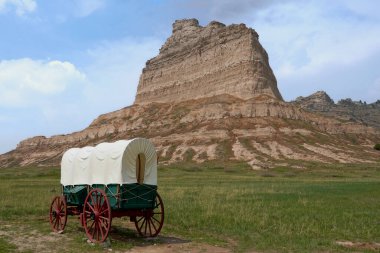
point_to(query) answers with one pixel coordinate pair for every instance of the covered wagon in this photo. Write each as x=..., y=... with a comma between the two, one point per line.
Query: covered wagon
x=107, y=181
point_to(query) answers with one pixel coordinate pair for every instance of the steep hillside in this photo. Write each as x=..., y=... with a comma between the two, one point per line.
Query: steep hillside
x=260, y=131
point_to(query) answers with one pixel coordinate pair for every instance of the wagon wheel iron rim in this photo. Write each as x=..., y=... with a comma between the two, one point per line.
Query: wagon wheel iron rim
x=58, y=214
x=97, y=216
x=150, y=224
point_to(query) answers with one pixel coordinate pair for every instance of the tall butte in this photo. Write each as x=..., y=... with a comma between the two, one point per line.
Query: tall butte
x=197, y=62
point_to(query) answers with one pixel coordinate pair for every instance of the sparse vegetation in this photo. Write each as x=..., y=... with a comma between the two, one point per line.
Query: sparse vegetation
x=224, y=150
x=377, y=146
x=188, y=155
x=306, y=208
x=169, y=153
x=203, y=155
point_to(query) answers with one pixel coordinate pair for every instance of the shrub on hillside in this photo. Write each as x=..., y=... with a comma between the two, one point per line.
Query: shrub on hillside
x=377, y=146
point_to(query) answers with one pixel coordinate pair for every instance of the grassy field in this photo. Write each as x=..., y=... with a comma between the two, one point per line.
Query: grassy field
x=307, y=209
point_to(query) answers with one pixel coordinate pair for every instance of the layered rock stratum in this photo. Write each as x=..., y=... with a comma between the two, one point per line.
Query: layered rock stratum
x=197, y=62
x=210, y=94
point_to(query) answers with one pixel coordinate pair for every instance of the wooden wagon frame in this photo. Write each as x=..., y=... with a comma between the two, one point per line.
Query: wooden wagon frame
x=107, y=181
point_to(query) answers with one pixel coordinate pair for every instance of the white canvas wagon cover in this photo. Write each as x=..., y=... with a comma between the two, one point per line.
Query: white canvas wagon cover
x=110, y=163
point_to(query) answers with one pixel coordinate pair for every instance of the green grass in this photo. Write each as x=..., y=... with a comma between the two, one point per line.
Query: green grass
x=6, y=246
x=306, y=209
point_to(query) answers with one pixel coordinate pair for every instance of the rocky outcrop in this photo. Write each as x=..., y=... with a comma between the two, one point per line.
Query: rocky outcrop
x=197, y=62
x=345, y=109
x=318, y=102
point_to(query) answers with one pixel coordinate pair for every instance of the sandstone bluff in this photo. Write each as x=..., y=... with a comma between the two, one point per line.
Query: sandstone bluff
x=210, y=94
x=198, y=62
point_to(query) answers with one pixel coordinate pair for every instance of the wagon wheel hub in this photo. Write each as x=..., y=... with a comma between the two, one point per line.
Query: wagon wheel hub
x=57, y=212
x=148, y=213
x=96, y=215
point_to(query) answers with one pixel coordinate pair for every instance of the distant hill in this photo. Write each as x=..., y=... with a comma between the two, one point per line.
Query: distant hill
x=345, y=109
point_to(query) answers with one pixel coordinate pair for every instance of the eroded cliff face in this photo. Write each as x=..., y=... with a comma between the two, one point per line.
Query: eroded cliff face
x=260, y=131
x=197, y=62
x=211, y=95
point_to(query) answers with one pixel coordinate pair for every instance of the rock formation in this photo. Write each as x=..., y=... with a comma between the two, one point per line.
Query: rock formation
x=345, y=109
x=210, y=95
x=197, y=62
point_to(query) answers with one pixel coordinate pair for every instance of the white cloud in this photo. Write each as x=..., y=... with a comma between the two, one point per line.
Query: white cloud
x=308, y=39
x=59, y=98
x=21, y=7
x=87, y=7
x=25, y=81
x=317, y=45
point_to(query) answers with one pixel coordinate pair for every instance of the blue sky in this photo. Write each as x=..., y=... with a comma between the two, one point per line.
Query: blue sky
x=64, y=62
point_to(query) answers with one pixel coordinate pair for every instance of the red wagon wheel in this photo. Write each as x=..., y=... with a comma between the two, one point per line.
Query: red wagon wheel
x=150, y=224
x=58, y=214
x=97, y=215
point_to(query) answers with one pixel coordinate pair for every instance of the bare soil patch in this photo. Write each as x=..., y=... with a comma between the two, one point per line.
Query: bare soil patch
x=360, y=245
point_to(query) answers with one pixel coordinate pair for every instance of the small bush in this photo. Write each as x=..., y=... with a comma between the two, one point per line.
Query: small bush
x=189, y=154
x=377, y=146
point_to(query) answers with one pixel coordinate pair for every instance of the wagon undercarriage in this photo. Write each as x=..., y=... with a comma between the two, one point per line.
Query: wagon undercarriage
x=96, y=215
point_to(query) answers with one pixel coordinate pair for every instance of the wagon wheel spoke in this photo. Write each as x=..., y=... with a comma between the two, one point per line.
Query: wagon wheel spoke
x=99, y=201
x=150, y=228
x=58, y=204
x=146, y=224
x=92, y=199
x=92, y=225
x=156, y=219
x=88, y=218
x=103, y=218
x=101, y=229
x=61, y=206
x=56, y=223
x=96, y=203
x=90, y=206
x=142, y=224
x=93, y=231
x=103, y=206
x=104, y=210
x=103, y=224
x=155, y=229
x=53, y=220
